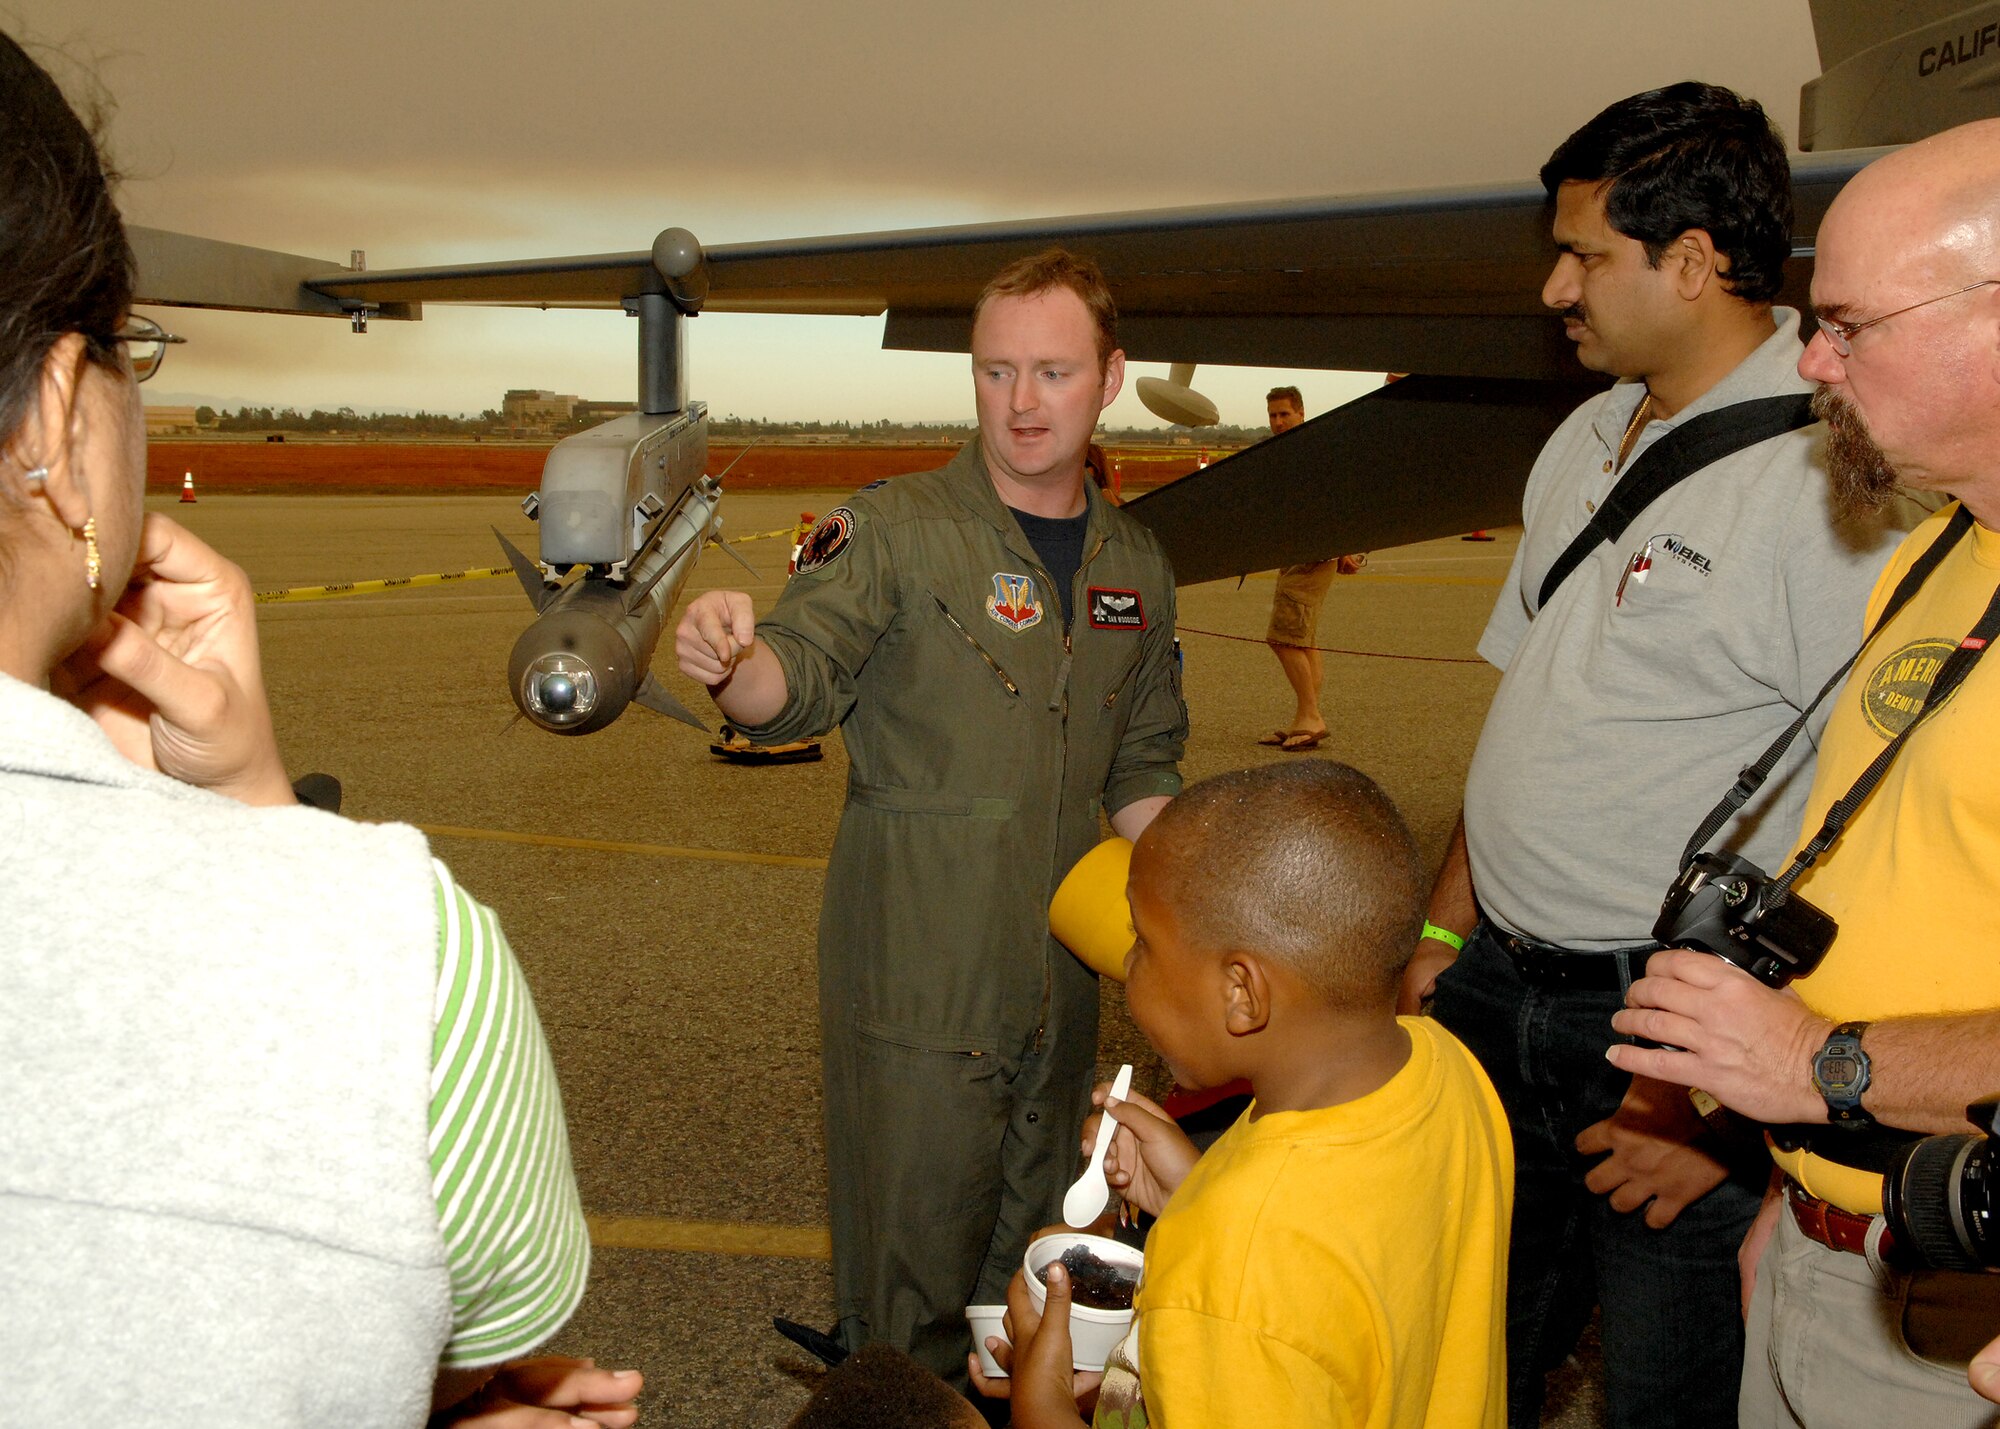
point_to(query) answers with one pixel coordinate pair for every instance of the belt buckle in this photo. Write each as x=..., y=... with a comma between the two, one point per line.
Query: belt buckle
x=1538, y=964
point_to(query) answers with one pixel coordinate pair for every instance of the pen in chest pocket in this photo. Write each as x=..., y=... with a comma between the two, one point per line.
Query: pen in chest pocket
x=1640, y=562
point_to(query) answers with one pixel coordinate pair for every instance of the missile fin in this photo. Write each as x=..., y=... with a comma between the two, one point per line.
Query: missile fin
x=737, y=556
x=654, y=696
x=527, y=572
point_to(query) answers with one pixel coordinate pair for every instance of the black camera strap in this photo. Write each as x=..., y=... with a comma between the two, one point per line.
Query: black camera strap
x=1951, y=674
x=1698, y=442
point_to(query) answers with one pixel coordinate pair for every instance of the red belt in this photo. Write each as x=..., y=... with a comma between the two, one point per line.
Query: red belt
x=1829, y=1225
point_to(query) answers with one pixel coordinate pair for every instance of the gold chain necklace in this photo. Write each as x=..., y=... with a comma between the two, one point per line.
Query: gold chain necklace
x=1634, y=427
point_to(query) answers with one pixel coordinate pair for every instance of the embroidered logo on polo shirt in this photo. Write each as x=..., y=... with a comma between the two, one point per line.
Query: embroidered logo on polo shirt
x=1898, y=687
x=1014, y=603
x=1678, y=549
x=1116, y=609
x=827, y=539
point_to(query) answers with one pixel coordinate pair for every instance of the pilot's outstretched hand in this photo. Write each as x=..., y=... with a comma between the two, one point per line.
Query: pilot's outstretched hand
x=717, y=629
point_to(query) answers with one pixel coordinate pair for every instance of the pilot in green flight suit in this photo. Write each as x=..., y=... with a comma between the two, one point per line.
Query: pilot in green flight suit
x=959, y=1039
x=986, y=735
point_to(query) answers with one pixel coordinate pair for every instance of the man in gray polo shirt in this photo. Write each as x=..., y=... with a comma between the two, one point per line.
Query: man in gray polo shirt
x=1661, y=665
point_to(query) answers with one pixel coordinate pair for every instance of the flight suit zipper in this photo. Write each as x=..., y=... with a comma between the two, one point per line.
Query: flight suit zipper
x=1059, y=703
x=977, y=648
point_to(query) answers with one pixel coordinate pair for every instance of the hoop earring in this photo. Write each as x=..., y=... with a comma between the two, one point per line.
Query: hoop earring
x=93, y=565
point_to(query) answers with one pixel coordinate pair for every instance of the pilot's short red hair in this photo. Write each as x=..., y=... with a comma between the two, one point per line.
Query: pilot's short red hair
x=1059, y=268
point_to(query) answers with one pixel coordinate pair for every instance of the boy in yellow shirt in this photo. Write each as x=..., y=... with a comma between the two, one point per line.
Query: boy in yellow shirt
x=1339, y=1256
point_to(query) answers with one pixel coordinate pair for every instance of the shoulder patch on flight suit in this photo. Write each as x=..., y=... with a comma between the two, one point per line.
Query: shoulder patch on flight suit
x=827, y=539
x=1116, y=609
x=1014, y=603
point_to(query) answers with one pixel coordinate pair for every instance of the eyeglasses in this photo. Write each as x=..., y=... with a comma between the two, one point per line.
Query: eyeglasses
x=146, y=341
x=1841, y=335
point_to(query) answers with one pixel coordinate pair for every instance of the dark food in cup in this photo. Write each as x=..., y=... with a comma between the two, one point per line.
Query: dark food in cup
x=1094, y=1282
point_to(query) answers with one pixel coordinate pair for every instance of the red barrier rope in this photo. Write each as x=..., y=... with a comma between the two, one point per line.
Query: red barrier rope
x=1335, y=650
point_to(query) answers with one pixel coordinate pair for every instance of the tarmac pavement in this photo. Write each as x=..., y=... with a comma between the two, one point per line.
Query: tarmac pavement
x=677, y=990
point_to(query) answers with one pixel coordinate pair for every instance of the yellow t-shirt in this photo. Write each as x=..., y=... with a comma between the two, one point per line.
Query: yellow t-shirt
x=1914, y=878
x=1345, y=1266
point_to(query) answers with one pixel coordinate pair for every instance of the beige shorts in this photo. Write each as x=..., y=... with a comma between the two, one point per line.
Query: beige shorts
x=1295, y=607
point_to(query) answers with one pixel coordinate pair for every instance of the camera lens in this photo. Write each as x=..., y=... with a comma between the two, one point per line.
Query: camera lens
x=1938, y=1197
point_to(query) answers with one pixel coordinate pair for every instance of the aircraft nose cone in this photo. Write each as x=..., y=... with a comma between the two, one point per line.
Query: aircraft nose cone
x=558, y=693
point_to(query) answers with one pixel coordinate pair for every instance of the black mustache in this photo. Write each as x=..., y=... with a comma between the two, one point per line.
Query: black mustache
x=1573, y=314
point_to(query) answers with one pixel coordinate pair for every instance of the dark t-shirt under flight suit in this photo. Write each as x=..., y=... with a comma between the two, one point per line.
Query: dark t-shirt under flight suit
x=984, y=743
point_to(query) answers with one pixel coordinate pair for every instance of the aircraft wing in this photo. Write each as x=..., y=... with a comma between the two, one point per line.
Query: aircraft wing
x=1444, y=283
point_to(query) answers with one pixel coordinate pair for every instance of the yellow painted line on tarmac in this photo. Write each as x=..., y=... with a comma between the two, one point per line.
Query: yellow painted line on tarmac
x=710, y=1237
x=710, y=855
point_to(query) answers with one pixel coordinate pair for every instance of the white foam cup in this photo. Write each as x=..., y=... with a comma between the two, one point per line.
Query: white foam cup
x=1093, y=1334
x=985, y=1320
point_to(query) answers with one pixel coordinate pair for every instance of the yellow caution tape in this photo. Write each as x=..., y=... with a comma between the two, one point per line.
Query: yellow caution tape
x=347, y=588
x=761, y=536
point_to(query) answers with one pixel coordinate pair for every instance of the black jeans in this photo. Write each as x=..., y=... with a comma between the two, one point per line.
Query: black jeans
x=1671, y=1326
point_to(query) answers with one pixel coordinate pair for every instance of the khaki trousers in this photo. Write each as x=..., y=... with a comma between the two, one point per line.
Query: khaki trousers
x=1828, y=1346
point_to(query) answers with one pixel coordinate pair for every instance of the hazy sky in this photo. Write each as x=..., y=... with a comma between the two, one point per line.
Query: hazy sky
x=443, y=131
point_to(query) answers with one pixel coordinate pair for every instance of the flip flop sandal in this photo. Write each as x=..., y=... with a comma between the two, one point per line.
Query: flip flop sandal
x=1299, y=741
x=1276, y=738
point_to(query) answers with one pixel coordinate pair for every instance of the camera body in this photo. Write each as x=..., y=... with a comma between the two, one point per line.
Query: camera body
x=1940, y=1193
x=1724, y=905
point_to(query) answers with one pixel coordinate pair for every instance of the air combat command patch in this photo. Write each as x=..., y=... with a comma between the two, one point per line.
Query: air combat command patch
x=1014, y=603
x=827, y=539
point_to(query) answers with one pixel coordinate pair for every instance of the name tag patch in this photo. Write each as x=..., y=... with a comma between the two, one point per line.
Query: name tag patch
x=1116, y=609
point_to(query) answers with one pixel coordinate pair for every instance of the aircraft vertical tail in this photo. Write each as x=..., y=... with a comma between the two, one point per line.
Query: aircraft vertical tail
x=1894, y=71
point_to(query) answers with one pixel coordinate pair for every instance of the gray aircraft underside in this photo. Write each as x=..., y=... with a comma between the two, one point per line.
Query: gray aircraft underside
x=1443, y=284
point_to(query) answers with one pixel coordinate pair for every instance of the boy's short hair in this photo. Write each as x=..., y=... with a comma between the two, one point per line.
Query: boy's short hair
x=1285, y=394
x=879, y=1387
x=1059, y=268
x=1305, y=862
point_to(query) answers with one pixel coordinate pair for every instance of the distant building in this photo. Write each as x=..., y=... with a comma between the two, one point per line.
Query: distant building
x=535, y=409
x=170, y=422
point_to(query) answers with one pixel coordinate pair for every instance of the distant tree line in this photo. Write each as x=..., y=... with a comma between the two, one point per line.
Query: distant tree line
x=490, y=423
x=346, y=419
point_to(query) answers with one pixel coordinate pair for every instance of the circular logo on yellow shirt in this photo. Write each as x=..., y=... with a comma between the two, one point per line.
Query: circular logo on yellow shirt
x=1898, y=687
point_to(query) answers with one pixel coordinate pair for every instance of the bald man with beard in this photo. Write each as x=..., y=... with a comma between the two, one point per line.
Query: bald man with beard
x=1899, y=1028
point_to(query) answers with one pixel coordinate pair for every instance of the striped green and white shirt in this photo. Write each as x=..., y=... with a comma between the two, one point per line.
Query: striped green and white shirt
x=500, y=1169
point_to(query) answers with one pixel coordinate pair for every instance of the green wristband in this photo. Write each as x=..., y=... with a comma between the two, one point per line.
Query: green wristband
x=1444, y=935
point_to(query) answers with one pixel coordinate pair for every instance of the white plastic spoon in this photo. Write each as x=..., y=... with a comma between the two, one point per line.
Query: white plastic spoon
x=1084, y=1202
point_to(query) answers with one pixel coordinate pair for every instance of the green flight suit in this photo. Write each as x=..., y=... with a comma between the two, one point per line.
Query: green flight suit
x=958, y=1037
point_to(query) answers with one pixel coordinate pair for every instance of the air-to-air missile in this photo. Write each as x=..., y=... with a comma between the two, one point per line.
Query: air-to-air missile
x=628, y=504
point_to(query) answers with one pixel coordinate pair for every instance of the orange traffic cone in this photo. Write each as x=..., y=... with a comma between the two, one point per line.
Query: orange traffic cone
x=187, y=488
x=806, y=521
